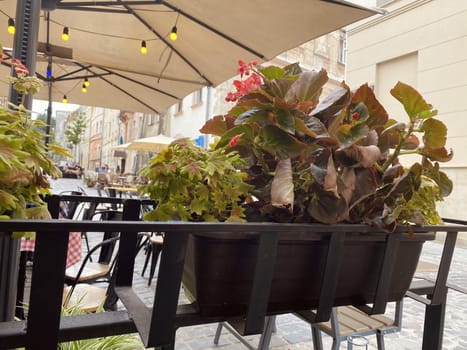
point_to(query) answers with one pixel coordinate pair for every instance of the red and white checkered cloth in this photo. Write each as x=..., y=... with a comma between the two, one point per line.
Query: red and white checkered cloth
x=74, y=248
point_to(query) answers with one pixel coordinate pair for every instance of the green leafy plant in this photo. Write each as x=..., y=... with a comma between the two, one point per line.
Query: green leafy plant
x=116, y=342
x=336, y=160
x=190, y=183
x=24, y=160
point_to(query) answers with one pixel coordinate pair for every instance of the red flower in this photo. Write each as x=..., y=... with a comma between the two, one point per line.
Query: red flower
x=355, y=115
x=245, y=68
x=231, y=97
x=234, y=140
x=244, y=87
x=19, y=67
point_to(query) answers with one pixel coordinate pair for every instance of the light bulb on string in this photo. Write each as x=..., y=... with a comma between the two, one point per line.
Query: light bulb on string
x=48, y=72
x=65, y=34
x=11, y=26
x=64, y=99
x=173, y=33
x=83, y=88
x=86, y=82
x=143, y=49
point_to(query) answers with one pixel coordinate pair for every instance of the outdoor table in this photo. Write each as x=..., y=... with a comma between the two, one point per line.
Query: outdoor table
x=113, y=190
x=74, y=247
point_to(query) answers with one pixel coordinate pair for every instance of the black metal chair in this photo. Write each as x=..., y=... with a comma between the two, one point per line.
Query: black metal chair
x=87, y=295
x=153, y=248
x=68, y=209
x=100, y=270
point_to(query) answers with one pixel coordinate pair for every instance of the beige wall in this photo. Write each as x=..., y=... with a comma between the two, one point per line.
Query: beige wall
x=424, y=43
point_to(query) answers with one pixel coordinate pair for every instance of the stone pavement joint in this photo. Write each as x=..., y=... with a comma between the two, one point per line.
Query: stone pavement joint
x=294, y=334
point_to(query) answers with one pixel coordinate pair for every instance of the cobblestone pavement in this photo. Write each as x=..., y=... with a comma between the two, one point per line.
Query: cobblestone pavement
x=294, y=334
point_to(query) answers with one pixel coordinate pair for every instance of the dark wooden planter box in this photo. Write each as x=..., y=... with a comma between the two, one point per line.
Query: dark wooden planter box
x=219, y=270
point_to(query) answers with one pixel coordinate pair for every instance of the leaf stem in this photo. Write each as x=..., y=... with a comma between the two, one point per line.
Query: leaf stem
x=397, y=150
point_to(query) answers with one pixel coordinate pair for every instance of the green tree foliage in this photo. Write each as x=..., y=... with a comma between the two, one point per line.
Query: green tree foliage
x=74, y=131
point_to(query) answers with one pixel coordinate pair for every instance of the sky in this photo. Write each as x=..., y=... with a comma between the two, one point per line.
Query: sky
x=40, y=107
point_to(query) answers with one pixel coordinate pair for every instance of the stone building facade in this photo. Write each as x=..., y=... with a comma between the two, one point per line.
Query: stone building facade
x=422, y=43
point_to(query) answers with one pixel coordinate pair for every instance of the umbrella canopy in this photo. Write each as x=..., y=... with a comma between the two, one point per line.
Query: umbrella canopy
x=105, y=39
x=149, y=144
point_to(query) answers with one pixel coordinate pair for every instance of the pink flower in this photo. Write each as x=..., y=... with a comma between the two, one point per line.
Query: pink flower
x=245, y=68
x=19, y=67
x=234, y=140
x=231, y=97
x=244, y=87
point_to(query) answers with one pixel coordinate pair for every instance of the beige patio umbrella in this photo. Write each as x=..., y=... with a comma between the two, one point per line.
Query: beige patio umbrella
x=105, y=39
x=149, y=144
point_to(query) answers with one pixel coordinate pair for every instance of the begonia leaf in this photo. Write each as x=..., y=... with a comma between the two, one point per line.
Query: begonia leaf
x=279, y=143
x=438, y=154
x=435, y=133
x=218, y=125
x=414, y=104
x=377, y=114
x=282, y=188
x=328, y=209
x=349, y=134
x=307, y=87
x=332, y=104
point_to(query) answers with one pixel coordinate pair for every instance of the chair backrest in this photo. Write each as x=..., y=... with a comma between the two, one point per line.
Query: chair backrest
x=80, y=189
x=107, y=250
x=68, y=208
x=108, y=245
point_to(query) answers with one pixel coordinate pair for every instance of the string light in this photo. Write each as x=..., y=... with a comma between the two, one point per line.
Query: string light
x=11, y=26
x=173, y=33
x=83, y=88
x=143, y=49
x=65, y=34
x=86, y=82
x=64, y=99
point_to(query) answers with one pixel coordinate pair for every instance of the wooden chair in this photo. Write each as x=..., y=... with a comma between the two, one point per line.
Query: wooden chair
x=348, y=322
x=88, y=296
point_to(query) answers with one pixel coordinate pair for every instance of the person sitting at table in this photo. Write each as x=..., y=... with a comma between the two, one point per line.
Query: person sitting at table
x=104, y=169
x=73, y=171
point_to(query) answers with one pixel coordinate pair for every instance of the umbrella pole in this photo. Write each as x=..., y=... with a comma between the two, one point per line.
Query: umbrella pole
x=49, y=109
x=49, y=83
x=25, y=43
x=24, y=49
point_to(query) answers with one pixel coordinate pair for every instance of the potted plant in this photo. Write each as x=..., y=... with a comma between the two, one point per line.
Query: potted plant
x=24, y=160
x=24, y=167
x=334, y=161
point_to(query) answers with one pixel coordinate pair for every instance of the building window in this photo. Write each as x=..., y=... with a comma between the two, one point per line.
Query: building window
x=322, y=46
x=179, y=107
x=343, y=48
x=197, y=97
